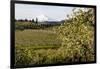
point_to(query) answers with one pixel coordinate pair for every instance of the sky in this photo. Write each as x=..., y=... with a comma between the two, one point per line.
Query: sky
x=26, y=11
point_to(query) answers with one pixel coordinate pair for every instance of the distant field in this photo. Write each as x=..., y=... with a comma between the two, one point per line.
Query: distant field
x=36, y=38
x=32, y=25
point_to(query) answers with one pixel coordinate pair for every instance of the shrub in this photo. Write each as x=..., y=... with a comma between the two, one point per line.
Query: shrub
x=77, y=36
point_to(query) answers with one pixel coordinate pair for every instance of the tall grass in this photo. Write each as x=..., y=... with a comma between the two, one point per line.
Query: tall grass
x=36, y=38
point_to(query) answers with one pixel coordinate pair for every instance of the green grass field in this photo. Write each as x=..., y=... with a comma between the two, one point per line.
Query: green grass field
x=36, y=38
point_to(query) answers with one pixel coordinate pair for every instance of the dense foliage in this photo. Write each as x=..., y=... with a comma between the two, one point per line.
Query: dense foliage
x=77, y=36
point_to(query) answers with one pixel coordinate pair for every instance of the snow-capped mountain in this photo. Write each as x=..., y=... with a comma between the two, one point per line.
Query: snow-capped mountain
x=42, y=18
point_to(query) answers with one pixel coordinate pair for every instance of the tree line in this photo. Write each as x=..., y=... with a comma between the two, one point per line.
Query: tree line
x=27, y=20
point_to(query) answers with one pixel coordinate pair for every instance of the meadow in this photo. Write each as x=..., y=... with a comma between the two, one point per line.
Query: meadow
x=36, y=38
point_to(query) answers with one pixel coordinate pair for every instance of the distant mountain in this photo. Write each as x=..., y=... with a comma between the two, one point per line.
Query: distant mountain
x=43, y=19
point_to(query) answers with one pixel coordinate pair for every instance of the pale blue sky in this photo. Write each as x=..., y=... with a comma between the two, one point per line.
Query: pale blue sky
x=23, y=11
